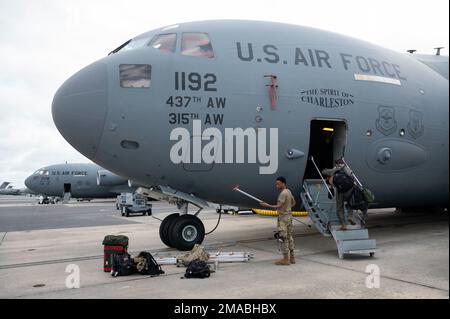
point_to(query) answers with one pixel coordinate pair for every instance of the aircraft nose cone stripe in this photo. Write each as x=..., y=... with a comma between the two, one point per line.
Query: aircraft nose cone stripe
x=79, y=108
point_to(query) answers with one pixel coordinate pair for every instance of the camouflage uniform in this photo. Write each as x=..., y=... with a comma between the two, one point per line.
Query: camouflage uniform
x=198, y=252
x=340, y=197
x=284, y=223
x=285, y=231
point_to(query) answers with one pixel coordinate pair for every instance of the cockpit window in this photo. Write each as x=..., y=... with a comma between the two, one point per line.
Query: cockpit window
x=119, y=48
x=197, y=44
x=164, y=42
x=41, y=172
x=135, y=75
x=137, y=42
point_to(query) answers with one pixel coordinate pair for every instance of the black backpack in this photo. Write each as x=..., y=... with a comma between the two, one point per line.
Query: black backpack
x=197, y=269
x=151, y=267
x=356, y=200
x=122, y=265
x=342, y=181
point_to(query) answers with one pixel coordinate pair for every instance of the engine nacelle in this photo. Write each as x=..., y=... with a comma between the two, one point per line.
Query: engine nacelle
x=106, y=178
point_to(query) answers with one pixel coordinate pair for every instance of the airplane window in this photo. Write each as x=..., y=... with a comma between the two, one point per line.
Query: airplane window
x=164, y=42
x=197, y=44
x=119, y=48
x=135, y=75
x=137, y=42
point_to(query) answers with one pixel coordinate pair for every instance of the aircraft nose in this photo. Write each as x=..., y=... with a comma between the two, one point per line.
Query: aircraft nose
x=28, y=182
x=79, y=108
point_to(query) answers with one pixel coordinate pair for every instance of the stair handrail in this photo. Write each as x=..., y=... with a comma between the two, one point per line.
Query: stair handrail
x=356, y=178
x=321, y=177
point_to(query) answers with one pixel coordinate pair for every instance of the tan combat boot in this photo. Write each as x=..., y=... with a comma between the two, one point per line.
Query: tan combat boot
x=291, y=257
x=284, y=261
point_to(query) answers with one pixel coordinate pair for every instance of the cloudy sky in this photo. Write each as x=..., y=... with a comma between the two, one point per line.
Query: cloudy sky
x=43, y=42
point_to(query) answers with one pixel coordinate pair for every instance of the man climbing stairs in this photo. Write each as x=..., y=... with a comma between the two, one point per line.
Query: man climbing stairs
x=321, y=206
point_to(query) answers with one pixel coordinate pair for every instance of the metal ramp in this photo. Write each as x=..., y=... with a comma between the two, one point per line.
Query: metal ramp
x=321, y=207
x=66, y=197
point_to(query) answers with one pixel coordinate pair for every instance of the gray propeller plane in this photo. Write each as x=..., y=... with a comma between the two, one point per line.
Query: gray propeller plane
x=191, y=110
x=77, y=180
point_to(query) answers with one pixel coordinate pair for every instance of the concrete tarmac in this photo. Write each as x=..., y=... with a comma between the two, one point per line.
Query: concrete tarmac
x=41, y=245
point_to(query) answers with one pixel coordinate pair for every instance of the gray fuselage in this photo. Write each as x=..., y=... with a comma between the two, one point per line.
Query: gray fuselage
x=394, y=109
x=78, y=179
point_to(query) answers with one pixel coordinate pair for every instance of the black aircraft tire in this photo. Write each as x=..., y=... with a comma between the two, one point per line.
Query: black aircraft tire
x=187, y=231
x=164, y=228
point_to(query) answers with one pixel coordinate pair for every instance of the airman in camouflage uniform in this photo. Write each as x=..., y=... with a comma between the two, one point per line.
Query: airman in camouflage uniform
x=284, y=206
x=340, y=197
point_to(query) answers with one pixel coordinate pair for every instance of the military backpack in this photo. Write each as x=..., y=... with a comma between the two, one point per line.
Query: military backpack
x=342, y=181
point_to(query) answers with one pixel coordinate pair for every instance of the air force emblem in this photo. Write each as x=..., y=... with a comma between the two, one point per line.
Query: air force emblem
x=415, y=125
x=386, y=122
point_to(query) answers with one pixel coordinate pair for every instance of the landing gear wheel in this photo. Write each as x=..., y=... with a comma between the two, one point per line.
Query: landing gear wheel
x=187, y=231
x=164, y=228
x=372, y=254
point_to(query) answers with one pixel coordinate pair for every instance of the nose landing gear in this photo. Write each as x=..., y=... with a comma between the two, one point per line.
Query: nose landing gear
x=181, y=231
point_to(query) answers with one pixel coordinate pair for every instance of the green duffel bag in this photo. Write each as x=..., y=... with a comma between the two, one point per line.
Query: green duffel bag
x=369, y=197
x=115, y=240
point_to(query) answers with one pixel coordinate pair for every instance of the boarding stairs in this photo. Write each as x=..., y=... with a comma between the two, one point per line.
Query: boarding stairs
x=321, y=207
x=66, y=197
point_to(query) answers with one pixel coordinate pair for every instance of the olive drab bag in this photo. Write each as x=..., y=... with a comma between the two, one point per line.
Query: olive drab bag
x=368, y=195
x=115, y=240
x=356, y=199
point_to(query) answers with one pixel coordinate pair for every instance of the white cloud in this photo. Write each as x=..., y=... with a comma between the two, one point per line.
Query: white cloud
x=43, y=42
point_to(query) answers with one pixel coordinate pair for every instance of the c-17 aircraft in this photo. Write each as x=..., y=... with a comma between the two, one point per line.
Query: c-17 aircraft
x=191, y=110
x=77, y=180
x=7, y=189
x=4, y=185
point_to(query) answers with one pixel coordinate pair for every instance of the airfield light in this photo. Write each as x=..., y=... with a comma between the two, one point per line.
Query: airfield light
x=328, y=129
